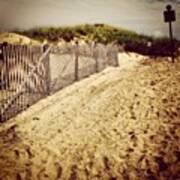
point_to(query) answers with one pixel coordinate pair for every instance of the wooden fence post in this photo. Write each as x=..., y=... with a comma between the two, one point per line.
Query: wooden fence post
x=113, y=55
x=48, y=71
x=28, y=86
x=95, y=54
x=6, y=74
x=18, y=64
x=76, y=61
x=1, y=79
x=116, y=51
x=1, y=65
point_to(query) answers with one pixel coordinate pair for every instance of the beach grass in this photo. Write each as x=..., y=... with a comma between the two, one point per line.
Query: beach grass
x=105, y=34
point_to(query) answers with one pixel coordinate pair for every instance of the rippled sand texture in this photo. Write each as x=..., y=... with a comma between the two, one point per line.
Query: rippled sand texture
x=122, y=123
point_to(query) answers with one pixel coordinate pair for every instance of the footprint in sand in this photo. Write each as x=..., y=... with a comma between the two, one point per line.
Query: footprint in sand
x=36, y=118
x=59, y=171
x=30, y=154
x=17, y=154
x=18, y=177
x=73, y=175
x=161, y=163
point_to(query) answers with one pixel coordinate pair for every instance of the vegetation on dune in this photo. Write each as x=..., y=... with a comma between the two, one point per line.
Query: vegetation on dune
x=99, y=32
x=105, y=34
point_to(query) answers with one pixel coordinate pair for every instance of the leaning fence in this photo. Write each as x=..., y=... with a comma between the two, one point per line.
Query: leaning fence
x=30, y=73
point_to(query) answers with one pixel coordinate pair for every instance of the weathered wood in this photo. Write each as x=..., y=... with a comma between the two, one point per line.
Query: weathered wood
x=48, y=72
x=95, y=56
x=25, y=74
x=76, y=67
x=17, y=76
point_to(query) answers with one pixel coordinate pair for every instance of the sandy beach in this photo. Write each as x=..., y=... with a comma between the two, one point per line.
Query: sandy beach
x=120, y=124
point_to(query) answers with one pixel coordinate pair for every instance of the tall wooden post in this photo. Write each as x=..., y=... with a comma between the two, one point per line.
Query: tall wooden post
x=1, y=65
x=76, y=73
x=6, y=76
x=48, y=70
x=95, y=54
x=172, y=42
x=1, y=79
x=169, y=17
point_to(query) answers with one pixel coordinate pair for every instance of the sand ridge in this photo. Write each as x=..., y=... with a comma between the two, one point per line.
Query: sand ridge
x=14, y=38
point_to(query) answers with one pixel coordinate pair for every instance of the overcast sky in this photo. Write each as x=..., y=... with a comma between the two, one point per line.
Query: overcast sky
x=144, y=16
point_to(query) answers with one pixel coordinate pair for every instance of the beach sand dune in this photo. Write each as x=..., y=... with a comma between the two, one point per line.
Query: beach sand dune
x=13, y=38
x=122, y=123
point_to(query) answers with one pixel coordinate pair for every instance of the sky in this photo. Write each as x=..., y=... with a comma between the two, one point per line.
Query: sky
x=142, y=16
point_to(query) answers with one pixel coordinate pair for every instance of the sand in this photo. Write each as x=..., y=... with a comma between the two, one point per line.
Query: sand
x=122, y=123
x=14, y=38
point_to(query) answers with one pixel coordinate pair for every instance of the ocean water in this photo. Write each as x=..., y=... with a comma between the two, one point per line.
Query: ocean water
x=142, y=16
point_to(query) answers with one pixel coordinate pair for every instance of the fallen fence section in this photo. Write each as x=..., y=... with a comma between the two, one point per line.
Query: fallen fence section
x=30, y=73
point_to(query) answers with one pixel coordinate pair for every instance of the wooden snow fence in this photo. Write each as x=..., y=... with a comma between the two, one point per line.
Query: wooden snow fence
x=30, y=73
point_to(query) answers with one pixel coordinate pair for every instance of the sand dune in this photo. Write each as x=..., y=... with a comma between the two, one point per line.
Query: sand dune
x=122, y=123
x=14, y=38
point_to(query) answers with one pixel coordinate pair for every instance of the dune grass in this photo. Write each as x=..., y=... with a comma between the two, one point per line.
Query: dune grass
x=99, y=32
x=105, y=34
